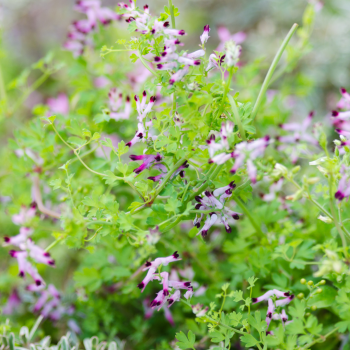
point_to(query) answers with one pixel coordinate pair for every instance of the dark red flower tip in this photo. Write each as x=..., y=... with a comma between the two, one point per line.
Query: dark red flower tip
x=170, y=301
x=335, y=113
x=12, y=253
x=136, y=98
x=187, y=284
x=38, y=282
x=292, y=297
x=171, y=81
x=267, y=138
x=158, y=158
x=159, y=66
x=157, y=59
x=339, y=195
x=165, y=292
x=128, y=144
x=311, y=114
x=145, y=7
x=233, y=171
x=204, y=233
x=47, y=254
x=198, y=225
x=198, y=199
x=268, y=333
x=6, y=239
x=287, y=294
x=140, y=135
x=33, y=205
x=166, y=24
x=197, y=63
x=148, y=264
x=144, y=94
x=284, y=319
x=182, y=32
x=152, y=178
x=153, y=31
x=152, y=99
x=210, y=161
x=177, y=42
x=235, y=216
x=21, y=274
x=343, y=90
x=254, y=300
x=127, y=98
x=141, y=285
x=206, y=28
x=51, y=262
x=176, y=255
x=163, y=54
x=207, y=193
x=269, y=315
x=228, y=229
x=182, y=173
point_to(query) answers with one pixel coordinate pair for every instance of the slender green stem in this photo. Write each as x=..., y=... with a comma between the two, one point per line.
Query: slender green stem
x=172, y=15
x=35, y=327
x=272, y=69
x=335, y=219
x=168, y=176
x=146, y=65
x=99, y=222
x=93, y=171
x=53, y=244
x=247, y=213
x=227, y=88
x=168, y=228
x=237, y=117
x=3, y=95
x=321, y=338
x=32, y=88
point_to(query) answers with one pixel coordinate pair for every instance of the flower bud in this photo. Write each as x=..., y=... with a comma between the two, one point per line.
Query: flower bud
x=312, y=180
x=313, y=307
x=296, y=169
x=310, y=283
x=337, y=266
x=300, y=296
x=303, y=281
x=337, y=142
x=325, y=219
x=280, y=170
x=319, y=291
x=322, y=282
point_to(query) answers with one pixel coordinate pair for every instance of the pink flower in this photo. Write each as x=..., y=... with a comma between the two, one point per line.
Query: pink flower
x=205, y=36
x=101, y=82
x=59, y=105
x=225, y=35
x=24, y=215
x=148, y=161
x=343, y=190
x=13, y=302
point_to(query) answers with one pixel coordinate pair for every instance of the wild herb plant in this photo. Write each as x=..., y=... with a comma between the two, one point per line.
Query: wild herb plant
x=158, y=153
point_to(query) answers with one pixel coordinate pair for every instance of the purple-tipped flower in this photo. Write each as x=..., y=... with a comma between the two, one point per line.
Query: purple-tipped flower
x=162, y=261
x=60, y=104
x=24, y=233
x=175, y=297
x=116, y=102
x=344, y=102
x=343, y=190
x=24, y=215
x=148, y=161
x=149, y=277
x=294, y=142
x=205, y=36
x=269, y=294
x=13, y=302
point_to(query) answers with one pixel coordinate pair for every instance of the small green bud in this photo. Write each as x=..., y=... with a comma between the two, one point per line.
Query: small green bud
x=336, y=152
x=312, y=180
x=307, y=314
x=323, y=282
x=303, y=281
x=313, y=307
x=310, y=283
x=319, y=291
x=296, y=169
x=300, y=296
x=339, y=279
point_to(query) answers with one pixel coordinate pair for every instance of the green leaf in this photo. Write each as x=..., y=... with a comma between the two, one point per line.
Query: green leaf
x=185, y=342
x=56, y=184
x=248, y=340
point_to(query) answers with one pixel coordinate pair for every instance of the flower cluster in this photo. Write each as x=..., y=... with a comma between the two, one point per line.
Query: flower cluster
x=115, y=103
x=209, y=202
x=299, y=140
x=28, y=247
x=243, y=152
x=143, y=126
x=341, y=120
x=171, y=288
x=274, y=305
x=78, y=36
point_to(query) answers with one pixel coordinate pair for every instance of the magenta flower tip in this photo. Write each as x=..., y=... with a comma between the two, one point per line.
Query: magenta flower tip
x=38, y=282
x=343, y=90
x=335, y=113
x=166, y=24
x=176, y=255
x=7, y=239
x=182, y=32
x=145, y=7
x=157, y=59
x=148, y=264
x=136, y=98
x=206, y=28
x=153, y=99
x=197, y=63
x=254, y=300
x=21, y=274
x=128, y=144
x=165, y=292
x=141, y=285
